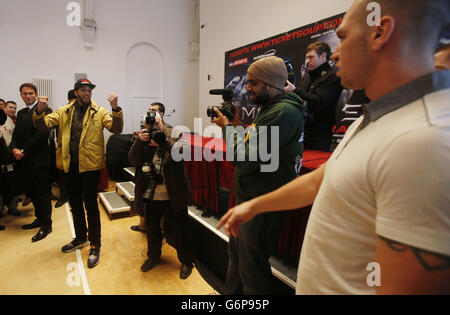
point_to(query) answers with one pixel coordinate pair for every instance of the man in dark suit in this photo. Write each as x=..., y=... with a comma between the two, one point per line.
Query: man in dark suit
x=31, y=150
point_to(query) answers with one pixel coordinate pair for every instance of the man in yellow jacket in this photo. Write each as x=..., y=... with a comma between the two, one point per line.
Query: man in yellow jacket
x=80, y=153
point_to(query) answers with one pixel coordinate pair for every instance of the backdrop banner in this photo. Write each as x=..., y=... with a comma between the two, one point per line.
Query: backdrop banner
x=290, y=46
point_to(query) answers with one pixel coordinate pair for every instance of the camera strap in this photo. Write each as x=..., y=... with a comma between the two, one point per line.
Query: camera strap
x=250, y=130
x=156, y=162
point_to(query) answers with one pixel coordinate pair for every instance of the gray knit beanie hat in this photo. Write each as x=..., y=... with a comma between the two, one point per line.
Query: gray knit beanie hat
x=270, y=70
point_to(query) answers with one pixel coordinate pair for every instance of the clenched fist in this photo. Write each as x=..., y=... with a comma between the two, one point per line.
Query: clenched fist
x=42, y=103
x=113, y=100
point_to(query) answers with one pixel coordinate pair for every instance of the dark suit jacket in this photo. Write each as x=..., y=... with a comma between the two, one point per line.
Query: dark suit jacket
x=34, y=144
x=175, y=178
x=4, y=154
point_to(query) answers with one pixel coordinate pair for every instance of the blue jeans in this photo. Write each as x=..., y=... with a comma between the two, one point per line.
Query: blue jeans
x=249, y=269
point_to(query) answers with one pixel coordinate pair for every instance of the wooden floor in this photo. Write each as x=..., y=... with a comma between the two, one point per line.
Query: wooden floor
x=41, y=268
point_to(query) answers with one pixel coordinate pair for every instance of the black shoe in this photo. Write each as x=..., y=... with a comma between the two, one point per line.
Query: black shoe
x=2, y=227
x=94, y=257
x=60, y=202
x=41, y=234
x=75, y=244
x=186, y=271
x=31, y=226
x=136, y=228
x=14, y=212
x=150, y=264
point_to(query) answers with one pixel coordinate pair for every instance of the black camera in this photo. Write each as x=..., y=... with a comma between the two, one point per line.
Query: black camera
x=291, y=73
x=155, y=134
x=150, y=119
x=226, y=108
x=153, y=178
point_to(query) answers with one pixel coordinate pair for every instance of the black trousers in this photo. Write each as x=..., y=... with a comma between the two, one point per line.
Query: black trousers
x=177, y=222
x=38, y=189
x=82, y=188
x=249, y=270
x=62, y=184
x=8, y=184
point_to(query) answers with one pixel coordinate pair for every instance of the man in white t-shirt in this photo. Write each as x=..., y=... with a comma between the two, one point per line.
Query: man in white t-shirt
x=380, y=221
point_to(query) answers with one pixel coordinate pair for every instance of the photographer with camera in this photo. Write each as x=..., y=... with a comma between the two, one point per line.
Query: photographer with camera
x=167, y=190
x=249, y=269
x=139, y=188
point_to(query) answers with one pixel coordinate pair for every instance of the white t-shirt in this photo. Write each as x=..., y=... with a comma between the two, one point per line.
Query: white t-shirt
x=389, y=179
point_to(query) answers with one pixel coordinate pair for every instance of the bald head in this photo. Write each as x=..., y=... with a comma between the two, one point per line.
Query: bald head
x=394, y=51
x=419, y=21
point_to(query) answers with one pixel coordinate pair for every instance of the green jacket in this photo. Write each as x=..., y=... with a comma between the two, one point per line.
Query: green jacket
x=92, y=143
x=255, y=175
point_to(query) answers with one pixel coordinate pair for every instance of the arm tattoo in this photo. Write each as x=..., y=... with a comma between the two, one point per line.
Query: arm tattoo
x=444, y=261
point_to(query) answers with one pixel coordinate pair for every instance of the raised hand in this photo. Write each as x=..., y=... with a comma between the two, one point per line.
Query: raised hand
x=113, y=100
x=42, y=103
x=289, y=88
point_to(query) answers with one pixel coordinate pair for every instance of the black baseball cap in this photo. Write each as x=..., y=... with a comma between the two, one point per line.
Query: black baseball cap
x=83, y=82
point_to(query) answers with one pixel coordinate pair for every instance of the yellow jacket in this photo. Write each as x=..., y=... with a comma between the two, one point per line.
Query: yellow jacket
x=92, y=143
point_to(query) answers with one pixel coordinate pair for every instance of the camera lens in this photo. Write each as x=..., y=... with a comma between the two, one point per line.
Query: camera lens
x=150, y=119
x=158, y=136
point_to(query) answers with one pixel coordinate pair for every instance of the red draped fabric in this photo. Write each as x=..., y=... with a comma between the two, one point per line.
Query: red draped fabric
x=206, y=178
x=203, y=174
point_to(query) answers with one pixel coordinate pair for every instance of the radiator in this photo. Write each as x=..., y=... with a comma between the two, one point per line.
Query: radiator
x=45, y=88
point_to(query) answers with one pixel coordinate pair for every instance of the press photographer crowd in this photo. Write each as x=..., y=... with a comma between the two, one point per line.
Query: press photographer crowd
x=391, y=207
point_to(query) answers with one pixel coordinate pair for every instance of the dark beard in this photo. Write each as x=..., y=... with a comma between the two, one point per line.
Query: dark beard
x=79, y=102
x=262, y=99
